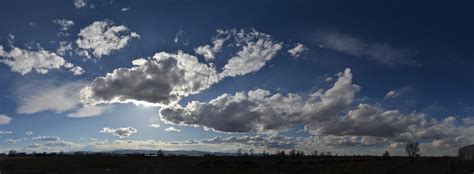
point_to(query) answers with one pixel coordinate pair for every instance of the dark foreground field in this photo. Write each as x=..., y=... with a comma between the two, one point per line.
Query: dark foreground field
x=223, y=165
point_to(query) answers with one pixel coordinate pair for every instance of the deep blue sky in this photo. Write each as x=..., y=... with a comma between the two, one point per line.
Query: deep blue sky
x=436, y=35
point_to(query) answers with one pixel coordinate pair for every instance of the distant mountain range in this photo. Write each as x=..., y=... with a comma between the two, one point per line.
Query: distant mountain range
x=176, y=152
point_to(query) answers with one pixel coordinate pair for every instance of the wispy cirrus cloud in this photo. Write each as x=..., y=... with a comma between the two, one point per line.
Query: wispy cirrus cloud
x=379, y=52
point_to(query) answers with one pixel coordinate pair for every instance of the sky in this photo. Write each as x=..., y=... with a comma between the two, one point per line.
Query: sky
x=344, y=77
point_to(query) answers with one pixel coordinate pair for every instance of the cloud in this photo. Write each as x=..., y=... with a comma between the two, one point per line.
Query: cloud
x=180, y=38
x=80, y=3
x=172, y=129
x=64, y=47
x=277, y=141
x=48, y=96
x=259, y=110
x=5, y=132
x=163, y=79
x=103, y=37
x=77, y=71
x=10, y=141
x=155, y=125
x=328, y=115
x=154, y=122
x=58, y=144
x=24, y=61
x=379, y=52
x=256, y=49
x=391, y=94
x=166, y=78
x=88, y=111
x=4, y=119
x=297, y=50
x=122, y=132
x=46, y=138
x=209, y=51
x=29, y=132
x=368, y=120
x=64, y=23
x=55, y=96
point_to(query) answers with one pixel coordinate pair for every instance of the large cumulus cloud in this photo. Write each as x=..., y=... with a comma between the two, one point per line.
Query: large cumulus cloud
x=166, y=78
x=163, y=79
x=259, y=110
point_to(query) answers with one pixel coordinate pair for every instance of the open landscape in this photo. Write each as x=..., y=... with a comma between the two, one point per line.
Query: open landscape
x=231, y=165
x=236, y=87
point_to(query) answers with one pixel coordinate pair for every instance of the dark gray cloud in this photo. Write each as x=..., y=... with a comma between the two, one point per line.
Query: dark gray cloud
x=167, y=77
x=259, y=110
x=163, y=79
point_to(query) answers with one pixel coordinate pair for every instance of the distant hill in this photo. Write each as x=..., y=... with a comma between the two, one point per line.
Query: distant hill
x=176, y=152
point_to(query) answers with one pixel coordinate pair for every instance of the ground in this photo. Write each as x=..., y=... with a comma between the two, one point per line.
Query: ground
x=228, y=165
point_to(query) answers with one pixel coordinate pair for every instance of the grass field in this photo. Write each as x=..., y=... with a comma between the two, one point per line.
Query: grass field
x=224, y=165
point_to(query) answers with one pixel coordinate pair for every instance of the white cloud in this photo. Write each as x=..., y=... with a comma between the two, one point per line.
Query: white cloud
x=58, y=144
x=209, y=51
x=172, y=129
x=64, y=23
x=77, y=71
x=163, y=79
x=257, y=49
x=155, y=125
x=167, y=77
x=48, y=96
x=380, y=52
x=64, y=47
x=5, y=132
x=59, y=97
x=88, y=111
x=122, y=132
x=391, y=94
x=10, y=141
x=103, y=37
x=259, y=110
x=154, y=122
x=80, y=3
x=24, y=61
x=29, y=132
x=4, y=119
x=125, y=9
x=274, y=141
x=46, y=138
x=180, y=38
x=297, y=50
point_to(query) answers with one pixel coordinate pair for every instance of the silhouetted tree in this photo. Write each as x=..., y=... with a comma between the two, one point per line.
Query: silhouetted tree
x=412, y=150
x=292, y=153
x=282, y=153
x=12, y=153
x=252, y=152
x=386, y=154
x=160, y=153
x=300, y=153
x=239, y=152
x=315, y=153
